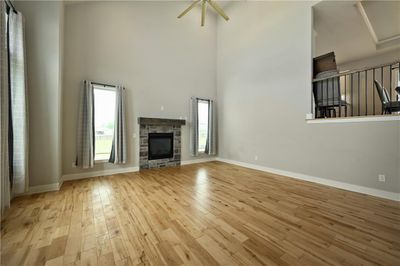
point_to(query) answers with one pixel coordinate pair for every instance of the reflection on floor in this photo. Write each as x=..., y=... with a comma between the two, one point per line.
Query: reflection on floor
x=211, y=213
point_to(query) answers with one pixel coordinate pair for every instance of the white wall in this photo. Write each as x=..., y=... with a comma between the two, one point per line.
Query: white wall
x=43, y=26
x=264, y=85
x=162, y=61
x=371, y=61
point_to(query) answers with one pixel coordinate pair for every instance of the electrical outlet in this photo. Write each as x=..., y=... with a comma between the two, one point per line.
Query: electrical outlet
x=256, y=158
x=134, y=135
x=162, y=108
x=381, y=178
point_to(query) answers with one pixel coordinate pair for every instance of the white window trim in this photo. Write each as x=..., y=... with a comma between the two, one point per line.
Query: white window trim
x=100, y=161
x=360, y=119
x=208, y=103
x=105, y=88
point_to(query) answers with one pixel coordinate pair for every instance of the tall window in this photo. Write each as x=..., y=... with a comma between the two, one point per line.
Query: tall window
x=203, y=107
x=104, y=115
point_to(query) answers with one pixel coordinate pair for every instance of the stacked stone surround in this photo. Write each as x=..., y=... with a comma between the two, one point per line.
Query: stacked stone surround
x=159, y=125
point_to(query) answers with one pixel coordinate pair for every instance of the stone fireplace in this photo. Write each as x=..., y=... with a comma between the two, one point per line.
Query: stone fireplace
x=160, y=142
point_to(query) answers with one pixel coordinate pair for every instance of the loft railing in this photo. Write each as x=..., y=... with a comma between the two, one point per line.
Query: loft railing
x=357, y=92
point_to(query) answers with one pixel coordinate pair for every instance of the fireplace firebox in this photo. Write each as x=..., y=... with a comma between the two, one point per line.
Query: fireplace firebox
x=161, y=146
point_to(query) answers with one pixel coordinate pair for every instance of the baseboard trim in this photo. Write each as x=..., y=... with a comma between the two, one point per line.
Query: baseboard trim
x=77, y=176
x=332, y=183
x=107, y=172
x=319, y=180
x=43, y=188
x=200, y=160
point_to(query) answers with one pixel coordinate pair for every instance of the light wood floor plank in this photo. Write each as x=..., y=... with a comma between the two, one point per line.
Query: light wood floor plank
x=205, y=214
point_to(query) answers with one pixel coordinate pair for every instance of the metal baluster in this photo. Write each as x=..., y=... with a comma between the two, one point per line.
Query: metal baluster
x=398, y=80
x=312, y=102
x=358, y=97
x=383, y=85
x=390, y=85
x=332, y=94
x=351, y=92
x=340, y=97
x=345, y=95
x=322, y=108
x=327, y=96
x=373, y=91
x=366, y=92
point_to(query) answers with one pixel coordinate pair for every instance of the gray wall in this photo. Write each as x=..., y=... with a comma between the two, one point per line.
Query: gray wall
x=162, y=61
x=43, y=22
x=263, y=85
x=264, y=93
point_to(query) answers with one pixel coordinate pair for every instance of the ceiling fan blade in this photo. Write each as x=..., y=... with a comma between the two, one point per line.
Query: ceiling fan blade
x=188, y=9
x=218, y=9
x=203, y=12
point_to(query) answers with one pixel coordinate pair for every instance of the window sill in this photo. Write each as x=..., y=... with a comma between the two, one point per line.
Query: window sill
x=376, y=118
x=101, y=161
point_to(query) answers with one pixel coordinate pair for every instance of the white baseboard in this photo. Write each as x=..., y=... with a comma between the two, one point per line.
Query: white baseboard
x=122, y=170
x=99, y=173
x=200, y=160
x=319, y=180
x=323, y=181
x=43, y=188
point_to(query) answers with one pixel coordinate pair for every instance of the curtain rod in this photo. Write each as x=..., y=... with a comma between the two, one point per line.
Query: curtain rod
x=11, y=6
x=105, y=85
x=202, y=99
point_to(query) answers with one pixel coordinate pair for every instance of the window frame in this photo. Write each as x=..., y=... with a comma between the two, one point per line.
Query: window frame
x=105, y=88
x=199, y=100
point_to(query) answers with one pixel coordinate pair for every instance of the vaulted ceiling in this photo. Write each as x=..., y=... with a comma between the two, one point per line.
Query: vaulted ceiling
x=356, y=29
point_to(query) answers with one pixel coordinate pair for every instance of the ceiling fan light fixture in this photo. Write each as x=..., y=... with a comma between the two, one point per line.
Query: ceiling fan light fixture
x=213, y=4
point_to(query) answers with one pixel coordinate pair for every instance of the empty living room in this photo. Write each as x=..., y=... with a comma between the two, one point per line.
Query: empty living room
x=199, y=132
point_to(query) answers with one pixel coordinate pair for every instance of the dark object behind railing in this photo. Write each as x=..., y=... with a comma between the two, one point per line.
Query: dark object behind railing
x=324, y=63
x=398, y=91
x=388, y=107
x=353, y=93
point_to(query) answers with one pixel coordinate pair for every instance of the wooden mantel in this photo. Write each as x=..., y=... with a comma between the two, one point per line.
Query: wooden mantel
x=160, y=121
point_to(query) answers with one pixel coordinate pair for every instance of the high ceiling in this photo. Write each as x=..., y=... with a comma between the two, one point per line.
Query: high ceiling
x=348, y=28
x=384, y=17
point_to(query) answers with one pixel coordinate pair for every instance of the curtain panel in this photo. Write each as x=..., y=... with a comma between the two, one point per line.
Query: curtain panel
x=19, y=103
x=118, y=151
x=211, y=144
x=194, y=130
x=4, y=113
x=85, y=136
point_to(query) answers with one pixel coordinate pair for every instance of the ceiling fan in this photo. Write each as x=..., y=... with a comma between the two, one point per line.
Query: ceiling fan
x=213, y=4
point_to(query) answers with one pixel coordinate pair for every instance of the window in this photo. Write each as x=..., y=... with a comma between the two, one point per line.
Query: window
x=203, y=107
x=104, y=116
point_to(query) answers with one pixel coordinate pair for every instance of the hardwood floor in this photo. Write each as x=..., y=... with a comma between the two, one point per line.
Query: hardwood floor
x=211, y=213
